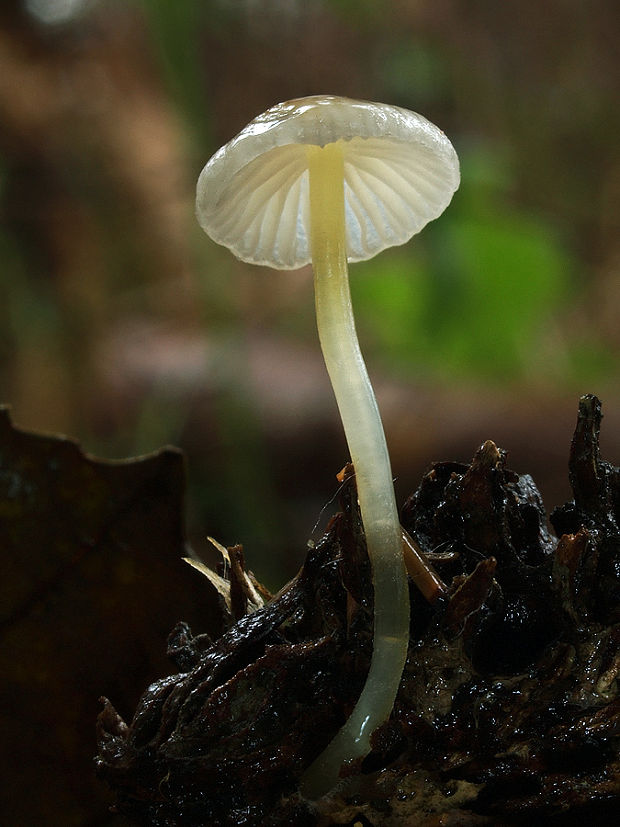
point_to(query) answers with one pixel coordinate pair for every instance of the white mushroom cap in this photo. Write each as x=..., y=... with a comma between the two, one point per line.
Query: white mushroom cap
x=400, y=173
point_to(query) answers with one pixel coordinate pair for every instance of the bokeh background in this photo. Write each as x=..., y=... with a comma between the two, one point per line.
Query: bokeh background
x=125, y=327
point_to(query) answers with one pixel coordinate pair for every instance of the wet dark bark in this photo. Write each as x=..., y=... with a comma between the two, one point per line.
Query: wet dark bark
x=508, y=710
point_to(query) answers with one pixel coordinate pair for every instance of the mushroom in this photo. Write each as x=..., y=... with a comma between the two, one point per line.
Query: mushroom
x=324, y=180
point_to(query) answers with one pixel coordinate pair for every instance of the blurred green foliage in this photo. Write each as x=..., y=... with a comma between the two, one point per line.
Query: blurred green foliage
x=473, y=296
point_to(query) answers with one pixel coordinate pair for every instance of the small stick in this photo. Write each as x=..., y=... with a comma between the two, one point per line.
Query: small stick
x=420, y=570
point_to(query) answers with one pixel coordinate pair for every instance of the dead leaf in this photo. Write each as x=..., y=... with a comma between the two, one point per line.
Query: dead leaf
x=93, y=581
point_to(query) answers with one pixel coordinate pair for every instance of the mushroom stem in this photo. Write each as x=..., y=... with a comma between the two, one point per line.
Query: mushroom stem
x=369, y=454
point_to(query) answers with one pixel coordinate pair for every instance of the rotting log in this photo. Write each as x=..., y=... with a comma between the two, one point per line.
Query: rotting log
x=508, y=711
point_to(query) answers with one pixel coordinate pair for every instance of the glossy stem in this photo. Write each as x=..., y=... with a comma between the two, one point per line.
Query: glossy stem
x=373, y=475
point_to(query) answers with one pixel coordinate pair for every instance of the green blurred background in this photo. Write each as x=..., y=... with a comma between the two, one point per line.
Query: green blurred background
x=125, y=327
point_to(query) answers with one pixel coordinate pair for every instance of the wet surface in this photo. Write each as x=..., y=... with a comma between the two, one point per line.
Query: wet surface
x=508, y=711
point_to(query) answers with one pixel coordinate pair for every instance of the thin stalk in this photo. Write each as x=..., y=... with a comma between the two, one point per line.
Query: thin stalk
x=373, y=475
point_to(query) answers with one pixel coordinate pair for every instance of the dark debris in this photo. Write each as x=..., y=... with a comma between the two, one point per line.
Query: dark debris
x=508, y=711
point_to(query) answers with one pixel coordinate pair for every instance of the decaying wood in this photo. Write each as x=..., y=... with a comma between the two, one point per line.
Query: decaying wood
x=508, y=711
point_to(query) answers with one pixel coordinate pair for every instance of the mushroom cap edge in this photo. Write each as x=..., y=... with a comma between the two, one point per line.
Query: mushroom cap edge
x=401, y=172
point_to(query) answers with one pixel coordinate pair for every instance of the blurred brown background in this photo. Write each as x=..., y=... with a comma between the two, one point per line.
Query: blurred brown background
x=125, y=327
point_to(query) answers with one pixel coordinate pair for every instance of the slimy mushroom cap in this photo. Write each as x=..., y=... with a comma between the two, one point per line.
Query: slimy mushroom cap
x=400, y=172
